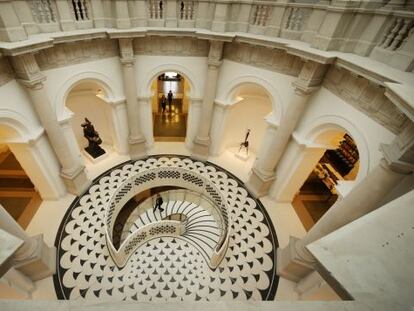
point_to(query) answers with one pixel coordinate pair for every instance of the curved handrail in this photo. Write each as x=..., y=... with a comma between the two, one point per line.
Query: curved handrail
x=177, y=195
x=166, y=176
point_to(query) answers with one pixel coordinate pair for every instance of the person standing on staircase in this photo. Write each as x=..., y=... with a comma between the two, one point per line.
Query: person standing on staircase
x=158, y=203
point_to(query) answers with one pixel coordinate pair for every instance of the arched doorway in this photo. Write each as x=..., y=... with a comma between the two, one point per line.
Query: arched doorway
x=170, y=104
x=89, y=99
x=29, y=172
x=246, y=109
x=18, y=195
x=330, y=179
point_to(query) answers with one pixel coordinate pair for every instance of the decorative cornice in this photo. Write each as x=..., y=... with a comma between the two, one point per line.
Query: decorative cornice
x=358, y=70
x=401, y=97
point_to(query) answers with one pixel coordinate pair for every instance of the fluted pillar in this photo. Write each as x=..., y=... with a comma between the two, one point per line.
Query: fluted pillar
x=33, y=258
x=295, y=262
x=202, y=141
x=275, y=142
x=136, y=140
x=73, y=171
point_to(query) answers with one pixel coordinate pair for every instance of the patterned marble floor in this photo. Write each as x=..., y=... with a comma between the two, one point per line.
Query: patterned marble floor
x=166, y=268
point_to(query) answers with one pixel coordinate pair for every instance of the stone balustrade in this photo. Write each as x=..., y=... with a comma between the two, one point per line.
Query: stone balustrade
x=381, y=31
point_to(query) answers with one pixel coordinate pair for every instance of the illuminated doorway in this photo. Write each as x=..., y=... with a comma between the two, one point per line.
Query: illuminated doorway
x=170, y=112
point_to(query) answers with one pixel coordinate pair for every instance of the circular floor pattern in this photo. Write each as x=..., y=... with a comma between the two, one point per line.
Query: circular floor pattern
x=166, y=269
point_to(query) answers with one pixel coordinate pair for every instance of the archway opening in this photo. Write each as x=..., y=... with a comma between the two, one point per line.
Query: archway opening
x=330, y=179
x=170, y=105
x=87, y=100
x=18, y=194
x=249, y=106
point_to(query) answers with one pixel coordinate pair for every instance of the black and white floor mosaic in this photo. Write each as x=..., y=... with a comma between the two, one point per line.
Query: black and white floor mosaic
x=166, y=268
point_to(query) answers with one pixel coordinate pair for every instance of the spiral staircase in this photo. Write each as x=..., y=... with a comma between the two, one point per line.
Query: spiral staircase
x=201, y=229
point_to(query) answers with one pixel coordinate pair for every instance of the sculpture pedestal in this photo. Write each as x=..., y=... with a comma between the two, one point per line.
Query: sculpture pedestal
x=242, y=155
x=97, y=156
x=95, y=152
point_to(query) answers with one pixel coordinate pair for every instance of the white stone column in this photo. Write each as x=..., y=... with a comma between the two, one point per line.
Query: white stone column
x=202, y=141
x=136, y=140
x=66, y=19
x=275, y=144
x=218, y=125
x=120, y=125
x=34, y=258
x=71, y=140
x=272, y=149
x=295, y=262
x=145, y=104
x=193, y=121
x=73, y=171
x=98, y=14
x=297, y=163
x=40, y=164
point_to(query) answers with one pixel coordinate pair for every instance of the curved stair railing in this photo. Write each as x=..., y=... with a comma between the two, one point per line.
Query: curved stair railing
x=183, y=195
x=199, y=188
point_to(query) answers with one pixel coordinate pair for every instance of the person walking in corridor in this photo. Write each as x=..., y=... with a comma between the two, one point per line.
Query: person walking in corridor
x=170, y=99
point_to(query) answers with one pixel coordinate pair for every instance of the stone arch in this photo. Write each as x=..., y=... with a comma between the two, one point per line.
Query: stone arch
x=32, y=150
x=17, y=123
x=195, y=90
x=274, y=95
x=333, y=123
x=104, y=81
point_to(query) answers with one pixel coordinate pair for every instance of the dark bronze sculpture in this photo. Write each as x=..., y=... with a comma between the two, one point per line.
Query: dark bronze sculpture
x=245, y=144
x=93, y=139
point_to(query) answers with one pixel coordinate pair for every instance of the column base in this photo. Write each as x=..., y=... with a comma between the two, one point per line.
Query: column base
x=78, y=182
x=258, y=183
x=137, y=148
x=201, y=147
x=41, y=264
x=290, y=265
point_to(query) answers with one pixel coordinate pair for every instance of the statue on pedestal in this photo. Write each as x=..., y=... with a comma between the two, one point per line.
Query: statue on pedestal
x=245, y=144
x=93, y=139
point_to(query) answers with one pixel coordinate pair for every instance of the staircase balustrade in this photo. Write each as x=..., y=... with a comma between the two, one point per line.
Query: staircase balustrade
x=201, y=191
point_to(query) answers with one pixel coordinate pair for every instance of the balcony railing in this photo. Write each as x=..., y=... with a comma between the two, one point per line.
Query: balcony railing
x=388, y=38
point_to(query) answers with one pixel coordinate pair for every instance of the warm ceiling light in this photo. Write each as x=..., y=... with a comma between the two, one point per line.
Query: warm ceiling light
x=170, y=74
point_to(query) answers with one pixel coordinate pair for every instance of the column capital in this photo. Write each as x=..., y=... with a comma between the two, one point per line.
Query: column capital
x=126, y=51
x=27, y=70
x=311, y=76
x=215, y=53
x=35, y=83
x=302, y=89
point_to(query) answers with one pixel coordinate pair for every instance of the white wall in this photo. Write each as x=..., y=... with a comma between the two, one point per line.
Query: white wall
x=59, y=81
x=16, y=104
x=278, y=86
x=248, y=113
x=275, y=86
x=86, y=104
x=22, y=131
